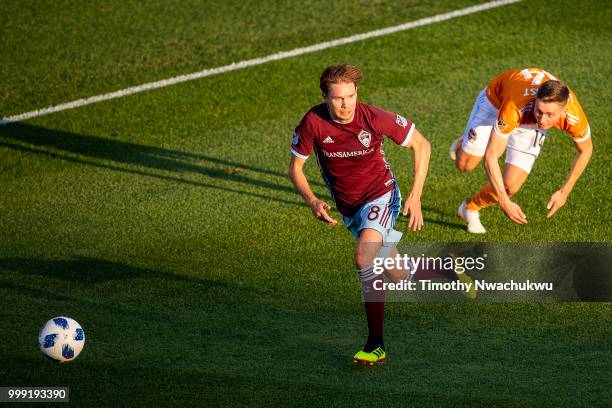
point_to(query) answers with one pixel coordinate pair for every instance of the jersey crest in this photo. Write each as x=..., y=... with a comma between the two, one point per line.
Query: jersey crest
x=365, y=138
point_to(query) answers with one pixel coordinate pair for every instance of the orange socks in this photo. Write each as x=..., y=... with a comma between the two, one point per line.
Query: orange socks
x=486, y=197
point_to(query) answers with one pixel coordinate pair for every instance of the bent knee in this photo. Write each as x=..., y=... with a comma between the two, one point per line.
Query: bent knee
x=461, y=167
x=362, y=260
x=465, y=166
x=365, y=254
x=511, y=190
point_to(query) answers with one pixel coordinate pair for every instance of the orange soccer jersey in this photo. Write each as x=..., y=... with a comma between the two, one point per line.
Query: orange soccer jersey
x=513, y=94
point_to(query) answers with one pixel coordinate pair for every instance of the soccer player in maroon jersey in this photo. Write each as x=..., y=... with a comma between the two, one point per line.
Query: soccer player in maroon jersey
x=347, y=137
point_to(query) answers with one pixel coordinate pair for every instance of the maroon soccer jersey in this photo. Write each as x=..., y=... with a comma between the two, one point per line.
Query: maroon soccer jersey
x=351, y=156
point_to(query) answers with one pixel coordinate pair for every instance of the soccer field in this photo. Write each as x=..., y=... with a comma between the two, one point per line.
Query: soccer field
x=165, y=224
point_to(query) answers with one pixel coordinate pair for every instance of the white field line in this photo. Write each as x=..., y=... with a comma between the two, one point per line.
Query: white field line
x=256, y=61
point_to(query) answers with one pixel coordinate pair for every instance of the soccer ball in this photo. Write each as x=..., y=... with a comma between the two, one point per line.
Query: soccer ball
x=61, y=339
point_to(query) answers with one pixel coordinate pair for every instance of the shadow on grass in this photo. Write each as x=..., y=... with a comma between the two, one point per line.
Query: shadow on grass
x=428, y=220
x=82, y=269
x=143, y=160
x=85, y=270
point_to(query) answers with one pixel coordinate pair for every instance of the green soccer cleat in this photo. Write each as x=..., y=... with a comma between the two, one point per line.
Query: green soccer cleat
x=377, y=355
x=465, y=278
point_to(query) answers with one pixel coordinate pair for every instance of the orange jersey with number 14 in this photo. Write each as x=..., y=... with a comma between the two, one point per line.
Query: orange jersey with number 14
x=513, y=93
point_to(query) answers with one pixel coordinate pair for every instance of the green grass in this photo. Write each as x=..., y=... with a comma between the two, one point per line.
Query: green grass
x=165, y=224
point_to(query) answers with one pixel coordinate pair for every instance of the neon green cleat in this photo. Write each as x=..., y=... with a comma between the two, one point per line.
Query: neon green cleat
x=377, y=355
x=465, y=278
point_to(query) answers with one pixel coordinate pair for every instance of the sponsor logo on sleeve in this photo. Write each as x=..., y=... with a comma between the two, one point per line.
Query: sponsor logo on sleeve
x=365, y=138
x=502, y=127
x=296, y=138
x=401, y=121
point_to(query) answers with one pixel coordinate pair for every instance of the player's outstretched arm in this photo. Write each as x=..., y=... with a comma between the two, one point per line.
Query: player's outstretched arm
x=495, y=148
x=422, y=151
x=318, y=207
x=584, y=151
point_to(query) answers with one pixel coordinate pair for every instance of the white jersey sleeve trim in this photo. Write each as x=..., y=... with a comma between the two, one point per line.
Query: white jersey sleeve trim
x=587, y=137
x=301, y=156
x=409, y=135
x=499, y=132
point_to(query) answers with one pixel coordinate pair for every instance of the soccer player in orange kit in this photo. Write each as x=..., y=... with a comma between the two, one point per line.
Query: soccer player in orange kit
x=513, y=114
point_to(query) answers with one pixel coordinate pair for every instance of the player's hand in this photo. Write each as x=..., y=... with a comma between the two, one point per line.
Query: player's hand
x=319, y=209
x=513, y=211
x=557, y=200
x=413, y=206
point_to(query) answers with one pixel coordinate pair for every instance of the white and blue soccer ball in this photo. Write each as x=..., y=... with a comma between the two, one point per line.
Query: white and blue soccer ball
x=61, y=339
